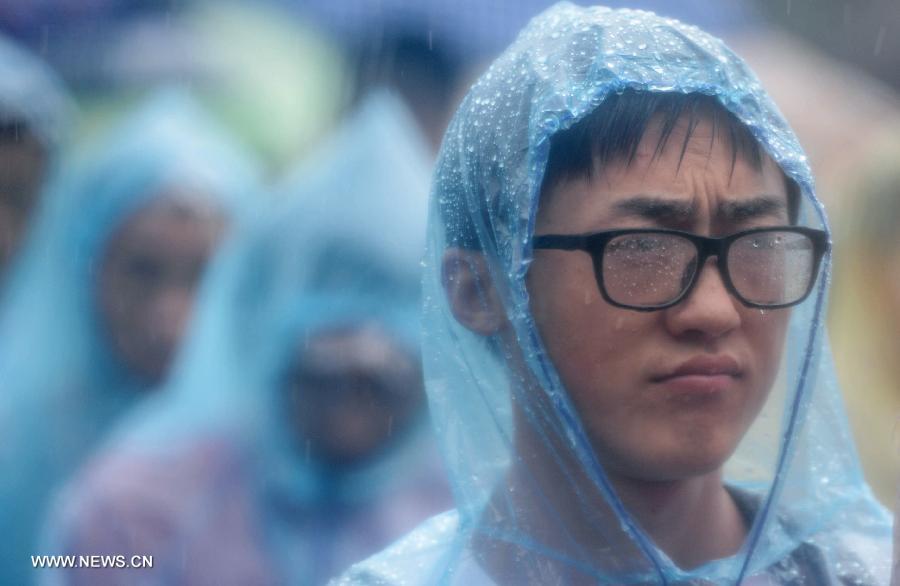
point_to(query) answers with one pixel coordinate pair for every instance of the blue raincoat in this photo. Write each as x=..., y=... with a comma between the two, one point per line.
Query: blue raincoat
x=213, y=471
x=61, y=383
x=32, y=96
x=810, y=517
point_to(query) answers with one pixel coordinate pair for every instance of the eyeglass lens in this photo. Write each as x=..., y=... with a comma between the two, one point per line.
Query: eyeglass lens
x=649, y=269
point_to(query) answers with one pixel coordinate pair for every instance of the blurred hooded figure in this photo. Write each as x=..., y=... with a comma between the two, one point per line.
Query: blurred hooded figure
x=866, y=312
x=624, y=350
x=105, y=292
x=35, y=115
x=293, y=439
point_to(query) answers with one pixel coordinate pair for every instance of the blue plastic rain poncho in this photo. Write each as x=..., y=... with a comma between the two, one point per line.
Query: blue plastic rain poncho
x=535, y=498
x=216, y=471
x=61, y=382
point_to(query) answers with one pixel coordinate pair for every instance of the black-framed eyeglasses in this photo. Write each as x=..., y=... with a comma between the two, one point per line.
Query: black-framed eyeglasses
x=647, y=269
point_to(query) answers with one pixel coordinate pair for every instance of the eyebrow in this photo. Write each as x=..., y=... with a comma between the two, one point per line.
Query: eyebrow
x=748, y=209
x=654, y=208
x=663, y=209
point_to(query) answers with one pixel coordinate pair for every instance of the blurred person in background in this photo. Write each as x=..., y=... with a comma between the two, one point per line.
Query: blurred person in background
x=105, y=292
x=35, y=115
x=865, y=312
x=865, y=316
x=425, y=75
x=260, y=70
x=293, y=438
x=425, y=51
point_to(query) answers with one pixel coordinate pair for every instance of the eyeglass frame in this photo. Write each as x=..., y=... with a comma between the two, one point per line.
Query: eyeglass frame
x=595, y=245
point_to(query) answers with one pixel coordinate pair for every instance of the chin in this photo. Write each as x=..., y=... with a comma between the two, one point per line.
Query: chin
x=691, y=461
x=692, y=468
x=152, y=374
x=673, y=460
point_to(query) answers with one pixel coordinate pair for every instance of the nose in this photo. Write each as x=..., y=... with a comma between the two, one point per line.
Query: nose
x=170, y=316
x=709, y=311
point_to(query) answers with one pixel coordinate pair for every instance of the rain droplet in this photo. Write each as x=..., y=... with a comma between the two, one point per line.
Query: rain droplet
x=879, y=40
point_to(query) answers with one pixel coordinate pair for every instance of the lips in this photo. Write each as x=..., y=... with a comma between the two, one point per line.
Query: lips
x=701, y=375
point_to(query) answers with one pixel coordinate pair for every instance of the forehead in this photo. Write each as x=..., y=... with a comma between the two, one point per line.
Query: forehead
x=184, y=202
x=172, y=224
x=366, y=347
x=705, y=184
x=174, y=206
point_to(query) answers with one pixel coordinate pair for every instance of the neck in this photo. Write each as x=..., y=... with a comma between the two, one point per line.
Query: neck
x=693, y=520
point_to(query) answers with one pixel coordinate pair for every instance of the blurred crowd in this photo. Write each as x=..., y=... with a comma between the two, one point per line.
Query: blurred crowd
x=212, y=217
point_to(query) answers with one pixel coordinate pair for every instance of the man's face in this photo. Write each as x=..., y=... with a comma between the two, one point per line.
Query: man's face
x=351, y=391
x=22, y=165
x=618, y=364
x=149, y=277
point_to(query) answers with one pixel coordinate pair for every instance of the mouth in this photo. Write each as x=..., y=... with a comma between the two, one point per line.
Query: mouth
x=701, y=376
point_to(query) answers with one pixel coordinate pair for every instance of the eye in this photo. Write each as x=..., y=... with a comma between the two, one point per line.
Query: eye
x=143, y=269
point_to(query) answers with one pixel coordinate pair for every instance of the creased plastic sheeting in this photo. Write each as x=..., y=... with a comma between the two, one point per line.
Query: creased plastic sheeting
x=32, y=93
x=813, y=508
x=216, y=461
x=62, y=385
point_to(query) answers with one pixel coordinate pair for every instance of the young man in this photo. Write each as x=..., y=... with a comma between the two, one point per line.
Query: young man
x=623, y=350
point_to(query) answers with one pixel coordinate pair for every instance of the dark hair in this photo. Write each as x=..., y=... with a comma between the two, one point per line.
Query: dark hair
x=613, y=131
x=13, y=130
x=413, y=63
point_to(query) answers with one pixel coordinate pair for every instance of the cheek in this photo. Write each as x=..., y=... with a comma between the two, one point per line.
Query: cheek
x=112, y=303
x=123, y=307
x=118, y=298
x=562, y=289
x=563, y=296
x=587, y=339
x=766, y=335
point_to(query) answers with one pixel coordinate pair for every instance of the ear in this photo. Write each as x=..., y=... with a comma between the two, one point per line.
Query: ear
x=470, y=291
